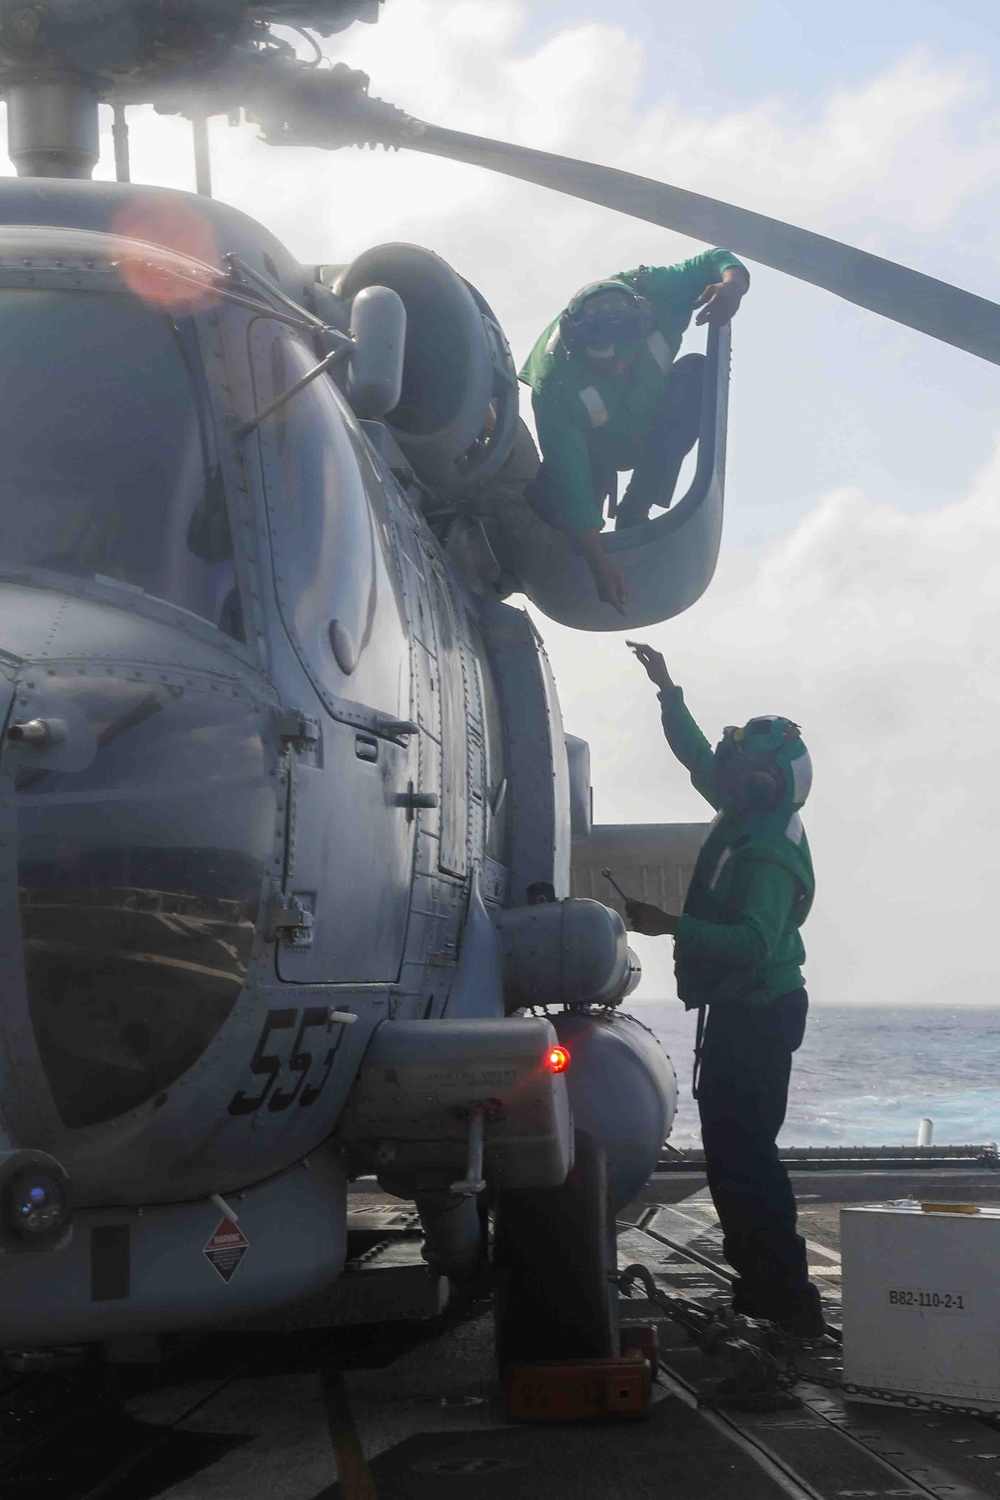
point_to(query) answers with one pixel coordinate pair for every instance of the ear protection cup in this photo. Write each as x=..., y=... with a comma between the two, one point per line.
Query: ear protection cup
x=762, y=789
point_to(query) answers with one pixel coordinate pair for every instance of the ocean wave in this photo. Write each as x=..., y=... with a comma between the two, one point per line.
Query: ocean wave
x=943, y=1061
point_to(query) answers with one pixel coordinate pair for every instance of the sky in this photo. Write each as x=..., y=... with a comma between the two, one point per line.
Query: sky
x=858, y=589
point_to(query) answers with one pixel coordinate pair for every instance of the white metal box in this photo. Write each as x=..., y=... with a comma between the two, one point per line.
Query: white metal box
x=922, y=1302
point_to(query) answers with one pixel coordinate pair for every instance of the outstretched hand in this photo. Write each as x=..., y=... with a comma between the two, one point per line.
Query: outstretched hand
x=643, y=917
x=656, y=667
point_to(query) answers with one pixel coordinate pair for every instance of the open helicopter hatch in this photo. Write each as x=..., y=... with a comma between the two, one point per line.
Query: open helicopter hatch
x=669, y=561
x=456, y=424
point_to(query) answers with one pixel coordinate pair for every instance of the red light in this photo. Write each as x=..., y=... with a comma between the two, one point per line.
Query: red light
x=558, y=1060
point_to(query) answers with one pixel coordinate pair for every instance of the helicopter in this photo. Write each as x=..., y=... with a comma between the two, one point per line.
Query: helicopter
x=288, y=805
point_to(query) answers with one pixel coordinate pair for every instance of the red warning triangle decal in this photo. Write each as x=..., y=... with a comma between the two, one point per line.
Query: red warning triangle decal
x=227, y=1248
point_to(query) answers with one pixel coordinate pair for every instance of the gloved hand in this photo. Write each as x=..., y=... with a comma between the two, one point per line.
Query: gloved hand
x=643, y=917
x=720, y=301
x=656, y=667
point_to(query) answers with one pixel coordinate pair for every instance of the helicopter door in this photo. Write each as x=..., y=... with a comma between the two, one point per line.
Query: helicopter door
x=441, y=709
x=453, y=848
x=345, y=898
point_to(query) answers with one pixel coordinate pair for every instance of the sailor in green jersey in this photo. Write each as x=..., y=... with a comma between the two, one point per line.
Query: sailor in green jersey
x=609, y=395
x=737, y=956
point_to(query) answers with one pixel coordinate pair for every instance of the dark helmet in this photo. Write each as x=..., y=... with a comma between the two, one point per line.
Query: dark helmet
x=582, y=328
x=764, y=766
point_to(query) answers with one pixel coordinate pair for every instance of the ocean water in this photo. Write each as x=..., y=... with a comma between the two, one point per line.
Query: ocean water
x=866, y=1074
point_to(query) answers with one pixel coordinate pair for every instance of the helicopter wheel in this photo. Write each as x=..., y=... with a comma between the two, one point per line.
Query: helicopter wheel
x=554, y=1260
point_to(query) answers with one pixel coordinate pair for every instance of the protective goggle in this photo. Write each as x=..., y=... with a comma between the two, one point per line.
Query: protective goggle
x=759, y=726
x=626, y=327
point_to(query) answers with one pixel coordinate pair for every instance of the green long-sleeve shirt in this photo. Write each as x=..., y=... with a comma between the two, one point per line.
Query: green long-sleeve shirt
x=589, y=423
x=751, y=890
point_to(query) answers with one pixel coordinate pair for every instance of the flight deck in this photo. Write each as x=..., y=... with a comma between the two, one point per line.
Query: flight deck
x=410, y=1409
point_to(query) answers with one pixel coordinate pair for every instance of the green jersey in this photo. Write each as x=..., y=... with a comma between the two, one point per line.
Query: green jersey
x=750, y=893
x=589, y=423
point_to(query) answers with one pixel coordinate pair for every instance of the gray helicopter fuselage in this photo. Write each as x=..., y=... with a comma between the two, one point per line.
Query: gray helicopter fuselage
x=274, y=787
x=245, y=831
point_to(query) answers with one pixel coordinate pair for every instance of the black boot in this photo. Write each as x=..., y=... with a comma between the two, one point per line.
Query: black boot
x=633, y=510
x=745, y=1304
x=804, y=1319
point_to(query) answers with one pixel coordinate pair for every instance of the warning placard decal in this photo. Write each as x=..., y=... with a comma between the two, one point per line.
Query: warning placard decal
x=227, y=1248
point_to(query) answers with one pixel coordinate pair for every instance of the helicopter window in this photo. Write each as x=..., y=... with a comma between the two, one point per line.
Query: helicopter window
x=139, y=882
x=321, y=523
x=109, y=465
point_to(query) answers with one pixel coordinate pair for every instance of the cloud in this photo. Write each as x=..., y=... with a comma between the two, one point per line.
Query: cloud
x=873, y=627
x=876, y=631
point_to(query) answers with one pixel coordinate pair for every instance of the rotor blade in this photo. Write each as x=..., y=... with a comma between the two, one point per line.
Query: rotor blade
x=933, y=307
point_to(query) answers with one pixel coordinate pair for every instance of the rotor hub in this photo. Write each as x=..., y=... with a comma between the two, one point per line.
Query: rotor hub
x=59, y=59
x=132, y=39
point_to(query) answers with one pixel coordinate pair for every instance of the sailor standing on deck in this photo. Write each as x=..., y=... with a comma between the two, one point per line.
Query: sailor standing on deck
x=609, y=395
x=737, y=957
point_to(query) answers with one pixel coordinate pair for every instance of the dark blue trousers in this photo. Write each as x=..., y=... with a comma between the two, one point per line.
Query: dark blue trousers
x=656, y=467
x=746, y=1063
x=671, y=436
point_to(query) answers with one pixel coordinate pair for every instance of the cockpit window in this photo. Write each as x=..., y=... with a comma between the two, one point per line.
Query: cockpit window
x=108, y=461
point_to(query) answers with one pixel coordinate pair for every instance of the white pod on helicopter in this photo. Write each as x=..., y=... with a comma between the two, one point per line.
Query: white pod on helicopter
x=623, y=1092
x=375, y=373
x=572, y=952
x=457, y=414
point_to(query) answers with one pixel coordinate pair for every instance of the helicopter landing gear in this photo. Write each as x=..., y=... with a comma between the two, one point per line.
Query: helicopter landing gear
x=555, y=1265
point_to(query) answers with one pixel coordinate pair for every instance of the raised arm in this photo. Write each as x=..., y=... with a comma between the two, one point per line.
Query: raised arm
x=683, y=735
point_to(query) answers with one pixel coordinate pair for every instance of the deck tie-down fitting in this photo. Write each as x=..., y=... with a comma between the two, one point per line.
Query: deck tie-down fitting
x=473, y=1182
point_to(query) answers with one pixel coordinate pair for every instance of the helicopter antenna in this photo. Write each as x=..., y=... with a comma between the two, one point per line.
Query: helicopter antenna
x=202, y=156
x=119, y=134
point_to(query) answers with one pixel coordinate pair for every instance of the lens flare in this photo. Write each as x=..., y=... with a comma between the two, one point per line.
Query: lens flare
x=174, y=224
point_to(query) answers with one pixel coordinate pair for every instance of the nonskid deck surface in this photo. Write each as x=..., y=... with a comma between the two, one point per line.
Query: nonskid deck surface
x=248, y=1414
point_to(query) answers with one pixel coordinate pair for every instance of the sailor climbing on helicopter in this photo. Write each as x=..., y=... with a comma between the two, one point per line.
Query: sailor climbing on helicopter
x=610, y=395
x=737, y=956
